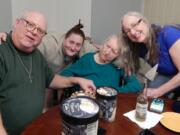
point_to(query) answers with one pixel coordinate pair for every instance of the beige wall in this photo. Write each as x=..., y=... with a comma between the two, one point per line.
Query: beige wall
x=162, y=11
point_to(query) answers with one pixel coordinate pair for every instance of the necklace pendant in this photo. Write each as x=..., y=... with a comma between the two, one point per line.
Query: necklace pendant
x=29, y=72
x=30, y=78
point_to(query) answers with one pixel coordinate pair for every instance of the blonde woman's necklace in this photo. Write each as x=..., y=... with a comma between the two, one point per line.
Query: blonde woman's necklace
x=29, y=72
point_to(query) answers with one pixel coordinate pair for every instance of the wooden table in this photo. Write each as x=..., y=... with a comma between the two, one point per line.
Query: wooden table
x=49, y=123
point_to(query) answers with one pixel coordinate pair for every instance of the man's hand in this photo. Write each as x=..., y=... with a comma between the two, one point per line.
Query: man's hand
x=3, y=37
x=87, y=85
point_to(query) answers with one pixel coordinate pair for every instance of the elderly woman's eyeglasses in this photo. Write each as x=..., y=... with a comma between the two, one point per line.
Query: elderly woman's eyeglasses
x=31, y=26
x=133, y=26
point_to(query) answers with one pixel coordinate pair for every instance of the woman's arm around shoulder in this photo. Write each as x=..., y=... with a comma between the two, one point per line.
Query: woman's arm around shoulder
x=2, y=129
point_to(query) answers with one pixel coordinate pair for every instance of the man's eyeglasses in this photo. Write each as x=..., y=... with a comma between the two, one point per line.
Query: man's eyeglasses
x=133, y=26
x=31, y=26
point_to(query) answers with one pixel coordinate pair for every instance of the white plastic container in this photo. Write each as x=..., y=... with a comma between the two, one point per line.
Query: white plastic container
x=79, y=116
x=107, y=100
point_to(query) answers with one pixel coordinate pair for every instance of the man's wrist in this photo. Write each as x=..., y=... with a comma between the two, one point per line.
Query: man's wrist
x=74, y=80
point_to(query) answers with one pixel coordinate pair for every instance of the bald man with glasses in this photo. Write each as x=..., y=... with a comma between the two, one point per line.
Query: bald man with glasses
x=24, y=75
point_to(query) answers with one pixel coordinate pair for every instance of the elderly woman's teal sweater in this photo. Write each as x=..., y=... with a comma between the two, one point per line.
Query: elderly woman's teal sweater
x=102, y=74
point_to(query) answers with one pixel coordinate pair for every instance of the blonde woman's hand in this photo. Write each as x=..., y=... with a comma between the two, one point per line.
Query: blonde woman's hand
x=153, y=93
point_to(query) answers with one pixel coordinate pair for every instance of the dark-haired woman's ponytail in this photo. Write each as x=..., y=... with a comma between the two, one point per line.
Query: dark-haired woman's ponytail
x=78, y=26
x=76, y=30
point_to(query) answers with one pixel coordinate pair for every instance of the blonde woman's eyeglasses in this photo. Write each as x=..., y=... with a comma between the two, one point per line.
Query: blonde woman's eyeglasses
x=133, y=26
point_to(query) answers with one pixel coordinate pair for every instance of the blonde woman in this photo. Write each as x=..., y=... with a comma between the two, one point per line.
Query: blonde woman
x=157, y=45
